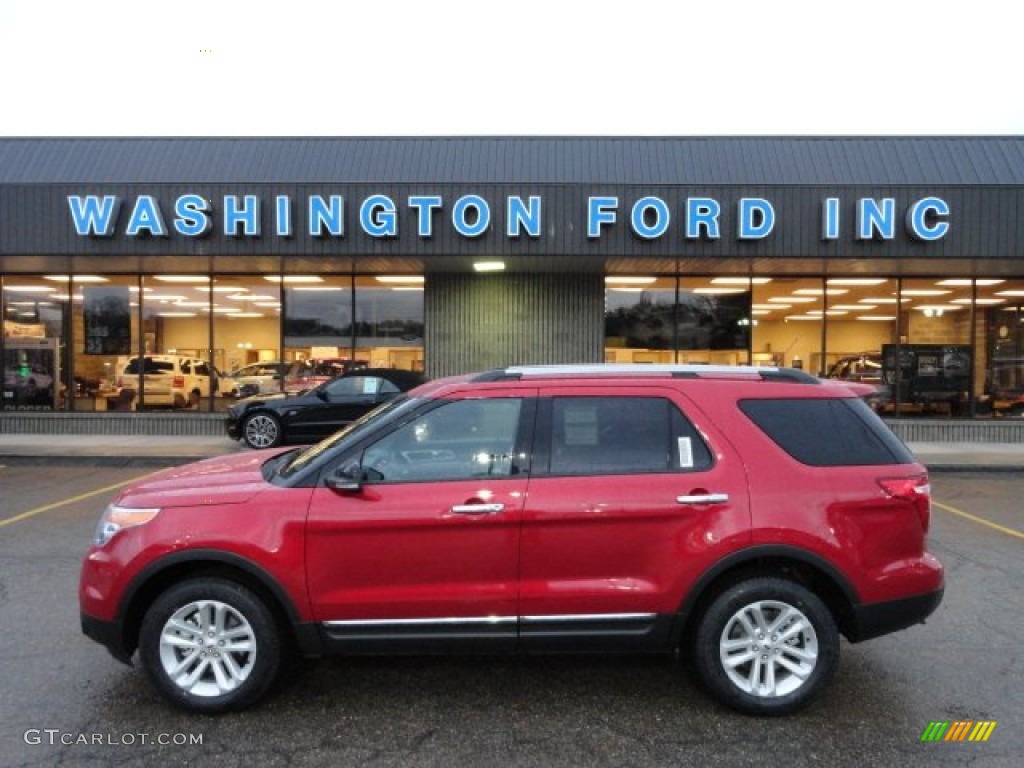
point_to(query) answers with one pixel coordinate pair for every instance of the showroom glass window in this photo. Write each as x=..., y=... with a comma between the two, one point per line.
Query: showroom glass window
x=1002, y=388
x=246, y=332
x=35, y=342
x=318, y=318
x=389, y=321
x=639, y=319
x=176, y=323
x=105, y=335
x=787, y=322
x=931, y=367
x=861, y=318
x=713, y=320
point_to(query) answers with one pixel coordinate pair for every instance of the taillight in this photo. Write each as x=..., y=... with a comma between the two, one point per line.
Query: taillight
x=915, y=489
x=179, y=382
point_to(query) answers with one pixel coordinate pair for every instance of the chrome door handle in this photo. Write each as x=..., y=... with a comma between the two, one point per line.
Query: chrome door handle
x=704, y=498
x=477, y=509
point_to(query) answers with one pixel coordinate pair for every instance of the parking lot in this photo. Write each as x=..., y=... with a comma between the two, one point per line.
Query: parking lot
x=65, y=701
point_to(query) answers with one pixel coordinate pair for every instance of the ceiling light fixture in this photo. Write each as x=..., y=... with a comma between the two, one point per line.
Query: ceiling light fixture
x=77, y=278
x=181, y=278
x=740, y=280
x=489, y=266
x=961, y=282
x=293, y=279
x=627, y=280
x=857, y=280
x=399, y=279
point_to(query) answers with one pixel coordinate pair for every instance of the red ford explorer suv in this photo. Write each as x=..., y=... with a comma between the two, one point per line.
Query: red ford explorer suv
x=746, y=516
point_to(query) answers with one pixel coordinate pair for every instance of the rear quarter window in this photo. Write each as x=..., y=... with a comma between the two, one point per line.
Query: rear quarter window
x=831, y=432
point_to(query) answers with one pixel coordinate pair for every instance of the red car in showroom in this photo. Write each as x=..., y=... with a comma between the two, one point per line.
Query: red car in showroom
x=747, y=517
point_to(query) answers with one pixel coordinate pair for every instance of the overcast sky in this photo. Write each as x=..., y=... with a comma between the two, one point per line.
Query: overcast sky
x=533, y=67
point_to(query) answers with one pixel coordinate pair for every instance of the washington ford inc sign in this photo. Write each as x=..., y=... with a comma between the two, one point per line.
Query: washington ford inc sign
x=472, y=216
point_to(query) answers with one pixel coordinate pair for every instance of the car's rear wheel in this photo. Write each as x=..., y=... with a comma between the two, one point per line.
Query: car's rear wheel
x=261, y=430
x=766, y=646
x=210, y=645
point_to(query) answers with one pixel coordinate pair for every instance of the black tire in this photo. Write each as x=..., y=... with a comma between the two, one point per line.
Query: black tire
x=212, y=679
x=806, y=638
x=262, y=430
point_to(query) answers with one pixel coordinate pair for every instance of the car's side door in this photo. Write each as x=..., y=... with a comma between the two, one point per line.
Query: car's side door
x=633, y=493
x=421, y=550
x=337, y=403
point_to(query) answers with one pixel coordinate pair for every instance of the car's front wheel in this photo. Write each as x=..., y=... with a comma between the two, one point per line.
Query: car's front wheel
x=210, y=645
x=766, y=646
x=261, y=430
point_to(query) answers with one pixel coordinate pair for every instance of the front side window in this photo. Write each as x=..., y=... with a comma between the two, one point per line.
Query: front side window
x=623, y=435
x=460, y=440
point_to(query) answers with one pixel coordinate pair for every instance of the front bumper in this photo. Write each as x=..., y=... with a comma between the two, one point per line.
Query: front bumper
x=875, y=619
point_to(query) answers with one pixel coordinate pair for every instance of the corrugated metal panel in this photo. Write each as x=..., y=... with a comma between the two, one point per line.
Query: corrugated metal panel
x=477, y=322
x=504, y=160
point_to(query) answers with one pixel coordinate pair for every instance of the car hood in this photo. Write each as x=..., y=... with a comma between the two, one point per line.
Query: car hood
x=223, y=480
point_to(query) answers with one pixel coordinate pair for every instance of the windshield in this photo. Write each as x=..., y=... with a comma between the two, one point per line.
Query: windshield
x=389, y=411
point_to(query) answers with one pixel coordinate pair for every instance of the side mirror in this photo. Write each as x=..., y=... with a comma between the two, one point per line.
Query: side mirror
x=346, y=479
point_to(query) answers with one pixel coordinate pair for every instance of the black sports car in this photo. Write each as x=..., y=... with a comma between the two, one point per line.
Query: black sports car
x=264, y=421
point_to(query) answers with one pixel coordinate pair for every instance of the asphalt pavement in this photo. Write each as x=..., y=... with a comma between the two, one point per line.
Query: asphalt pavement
x=988, y=457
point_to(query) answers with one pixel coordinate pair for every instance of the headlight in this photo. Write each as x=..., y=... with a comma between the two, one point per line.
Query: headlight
x=116, y=519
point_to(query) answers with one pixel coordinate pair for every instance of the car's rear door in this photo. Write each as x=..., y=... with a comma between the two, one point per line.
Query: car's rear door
x=633, y=494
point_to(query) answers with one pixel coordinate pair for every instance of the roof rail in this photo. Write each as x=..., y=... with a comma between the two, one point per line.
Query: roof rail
x=767, y=373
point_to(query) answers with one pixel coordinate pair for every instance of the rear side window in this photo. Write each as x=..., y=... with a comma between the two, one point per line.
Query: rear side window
x=828, y=433
x=622, y=435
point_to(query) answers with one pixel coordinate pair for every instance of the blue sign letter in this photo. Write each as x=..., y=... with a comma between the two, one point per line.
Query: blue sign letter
x=523, y=217
x=377, y=216
x=929, y=209
x=326, y=216
x=638, y=218
x=757, y=218
x=248, y=216
x=191, y=215
x=830, y=219
x=283, y=224
x=600, y=211
x=872, y=218
x=460, y=218
x=146, y=215
x=94, y=216
x=702, y=212
x=425, y=205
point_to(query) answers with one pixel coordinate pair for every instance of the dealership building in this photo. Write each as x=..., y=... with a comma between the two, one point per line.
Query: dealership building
x=894, y=260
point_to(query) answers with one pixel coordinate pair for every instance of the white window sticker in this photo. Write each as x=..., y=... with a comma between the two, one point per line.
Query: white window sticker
x=685, y=453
